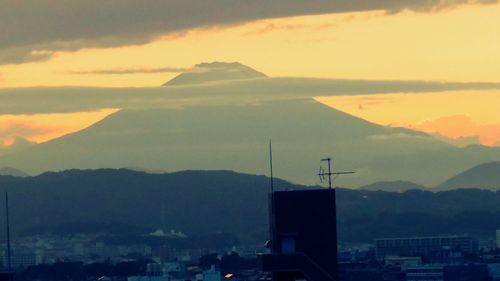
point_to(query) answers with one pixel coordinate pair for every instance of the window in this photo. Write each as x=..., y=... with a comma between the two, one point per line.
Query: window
x=287, y=245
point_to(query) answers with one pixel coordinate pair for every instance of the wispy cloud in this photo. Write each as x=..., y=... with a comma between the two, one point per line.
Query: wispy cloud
x=80, y=99
x=15, y=143
x=462, y=126
x=132, y=70
x=42, y=127
x=289, y=24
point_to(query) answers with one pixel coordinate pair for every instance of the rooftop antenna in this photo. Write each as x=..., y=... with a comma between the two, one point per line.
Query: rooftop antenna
x=271, y=165
x=331, y=193
x=270, y=242
x=322, y=173
x=9, y=265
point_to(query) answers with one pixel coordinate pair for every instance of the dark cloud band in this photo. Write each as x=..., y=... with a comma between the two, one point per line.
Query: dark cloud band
x=31, y=29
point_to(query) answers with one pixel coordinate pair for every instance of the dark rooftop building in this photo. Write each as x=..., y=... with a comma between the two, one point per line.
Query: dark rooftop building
x=303, y=236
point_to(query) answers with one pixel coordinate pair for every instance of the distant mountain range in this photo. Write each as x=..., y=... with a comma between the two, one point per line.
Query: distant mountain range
x=204, y=202
x=202, y=125
x=485, y=176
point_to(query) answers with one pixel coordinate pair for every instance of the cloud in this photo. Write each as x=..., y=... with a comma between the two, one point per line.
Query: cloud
x=399, y=136
x=39, y=128
x=133, y=70
x=15, y=135
x=84, y=99
x=15, y=143
x=34, y=29
x=462, y=128
x=10, y=129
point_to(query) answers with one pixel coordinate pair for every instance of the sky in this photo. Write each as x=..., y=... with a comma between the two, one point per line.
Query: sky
x=143, y=44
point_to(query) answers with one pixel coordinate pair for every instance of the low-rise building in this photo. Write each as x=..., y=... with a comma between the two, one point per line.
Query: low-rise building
x=423, y=246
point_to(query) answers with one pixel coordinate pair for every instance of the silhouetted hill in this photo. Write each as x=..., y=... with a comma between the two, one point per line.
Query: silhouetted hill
x=392, y=186
x=112, y=200
x=213, y=72
x=482, y=176
x=206, y=202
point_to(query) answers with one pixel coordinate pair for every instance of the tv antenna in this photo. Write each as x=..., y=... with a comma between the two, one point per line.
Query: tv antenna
x=322, y=173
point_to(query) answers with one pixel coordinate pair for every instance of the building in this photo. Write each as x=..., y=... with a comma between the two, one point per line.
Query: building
x=355, y=271
x=423, y=246
x=461, y=272
x=494, y=271
x=425, y=273
x=148, y=278
x=303, y=236
x=446, y=256
x=403, y=262
x=20, y=260
x=212, y=275
x=498, y=238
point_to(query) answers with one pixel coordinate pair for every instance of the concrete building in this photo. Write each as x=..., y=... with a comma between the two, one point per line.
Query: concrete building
x=20, y=260
x=212, y=275
x=461, y=272
x=425, y=273
x=423, y=246
x=403, y=262
x=494, y=271
x=498, y=238
x=148, y=278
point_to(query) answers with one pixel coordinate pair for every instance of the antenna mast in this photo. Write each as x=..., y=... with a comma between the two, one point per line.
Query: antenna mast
x=9, y=265
x=271, y=164
x=322, y=173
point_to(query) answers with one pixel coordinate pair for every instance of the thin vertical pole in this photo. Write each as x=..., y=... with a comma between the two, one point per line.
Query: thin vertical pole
x=9, y=265
x=329, y=173
x=271, y=164
x=271, y=216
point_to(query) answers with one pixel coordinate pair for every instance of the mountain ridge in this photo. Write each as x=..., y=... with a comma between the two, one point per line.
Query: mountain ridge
x=486, y=175
x=123, y=202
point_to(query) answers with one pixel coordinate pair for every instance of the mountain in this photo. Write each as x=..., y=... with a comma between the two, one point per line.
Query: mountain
x=392, y=186
x=213, y=72
x=7, y=171
x=482, y=176
x=227, y=126
x=205, y=202
x=230, y=137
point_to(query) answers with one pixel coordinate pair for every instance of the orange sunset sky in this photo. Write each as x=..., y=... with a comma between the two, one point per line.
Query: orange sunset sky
x=443, y=43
